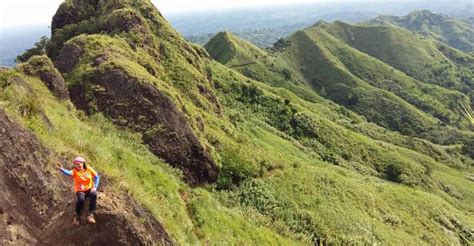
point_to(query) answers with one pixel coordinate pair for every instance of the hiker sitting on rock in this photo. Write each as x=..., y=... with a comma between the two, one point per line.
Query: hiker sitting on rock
x=86, y=181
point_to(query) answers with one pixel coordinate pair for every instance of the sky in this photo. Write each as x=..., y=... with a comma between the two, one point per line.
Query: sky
x=14, y=13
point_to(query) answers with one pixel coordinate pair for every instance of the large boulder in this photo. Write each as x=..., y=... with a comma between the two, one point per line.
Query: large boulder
x=140, y=106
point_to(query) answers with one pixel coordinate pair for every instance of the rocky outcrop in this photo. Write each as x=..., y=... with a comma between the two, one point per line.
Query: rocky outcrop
x=43, y=68
x=73, y=11
x=119, y=221
x=128, y=100
x=30, y=193
x=68, y=57
x=141, y=107
x=124, y=20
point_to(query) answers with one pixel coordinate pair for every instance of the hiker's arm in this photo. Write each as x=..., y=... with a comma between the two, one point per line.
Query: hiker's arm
x=96, y=181
x=65, y=171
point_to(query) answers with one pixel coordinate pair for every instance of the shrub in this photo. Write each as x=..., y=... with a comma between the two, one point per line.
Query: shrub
x=235, y=168
x=393, y=172
x=468, y=148
x=39, y=48
x=303, y=125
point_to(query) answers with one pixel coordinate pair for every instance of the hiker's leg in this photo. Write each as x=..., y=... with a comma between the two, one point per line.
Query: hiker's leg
x=80, y=201
x=93, y=200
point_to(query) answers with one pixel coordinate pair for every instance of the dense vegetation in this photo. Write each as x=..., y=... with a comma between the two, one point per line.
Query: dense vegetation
x=313, y=141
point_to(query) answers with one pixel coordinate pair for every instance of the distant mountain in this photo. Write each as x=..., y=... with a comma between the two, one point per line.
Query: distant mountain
x=422, y=59
x=264, y=33
x=321, y=58
x=455, y=32
x=256, y=63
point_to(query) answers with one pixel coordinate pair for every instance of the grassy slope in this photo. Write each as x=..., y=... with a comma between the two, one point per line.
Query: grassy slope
x=262, y=70
x=260, y=65
x=196, y=214
x=329, y=76
x=403, y=50
x=439, y=102
x=257, y=64
x=304, y=189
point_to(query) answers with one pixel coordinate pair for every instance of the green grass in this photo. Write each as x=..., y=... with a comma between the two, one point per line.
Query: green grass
x=259, y=65
x=403, y=50
x=455, y=32
x=467, y=111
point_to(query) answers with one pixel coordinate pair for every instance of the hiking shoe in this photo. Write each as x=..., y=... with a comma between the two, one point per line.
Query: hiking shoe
x=90, y=219
x=75, y=220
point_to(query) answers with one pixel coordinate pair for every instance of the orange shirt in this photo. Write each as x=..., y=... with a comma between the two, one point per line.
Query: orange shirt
x=83, y=180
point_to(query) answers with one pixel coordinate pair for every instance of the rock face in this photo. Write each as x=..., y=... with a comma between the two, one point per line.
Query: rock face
x=117, y=223
x=72, y=12
x=42, y=67
x=34, y=198
x=68, y=58
x=30, y=194
x=141, y=107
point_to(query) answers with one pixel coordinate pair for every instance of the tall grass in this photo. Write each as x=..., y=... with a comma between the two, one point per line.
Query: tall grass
x=26, y=103
x=467, y=111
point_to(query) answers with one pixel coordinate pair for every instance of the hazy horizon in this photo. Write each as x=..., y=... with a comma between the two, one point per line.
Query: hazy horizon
x=23, y=13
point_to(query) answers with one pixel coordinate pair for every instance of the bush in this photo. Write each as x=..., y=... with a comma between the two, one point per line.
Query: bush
x=468, y=148
x=235, y=168
x=39, y=49
x=304, y=125
x=393, y=173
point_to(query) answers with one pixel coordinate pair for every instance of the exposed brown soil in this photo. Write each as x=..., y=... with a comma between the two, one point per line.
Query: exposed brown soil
x=30, y=193
x=140, y=106
x=119, y=221
x=37, y=204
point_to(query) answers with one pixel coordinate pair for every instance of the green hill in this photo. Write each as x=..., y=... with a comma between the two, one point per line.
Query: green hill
x=454, y=32
x=208, y=154
x=314, y=58
x=257, y=64
x=418, y=58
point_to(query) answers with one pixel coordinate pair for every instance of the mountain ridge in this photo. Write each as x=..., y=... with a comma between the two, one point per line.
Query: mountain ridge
x=454, y=32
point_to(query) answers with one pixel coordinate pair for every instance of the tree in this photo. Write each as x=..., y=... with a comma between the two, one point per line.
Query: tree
x=39, y=49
